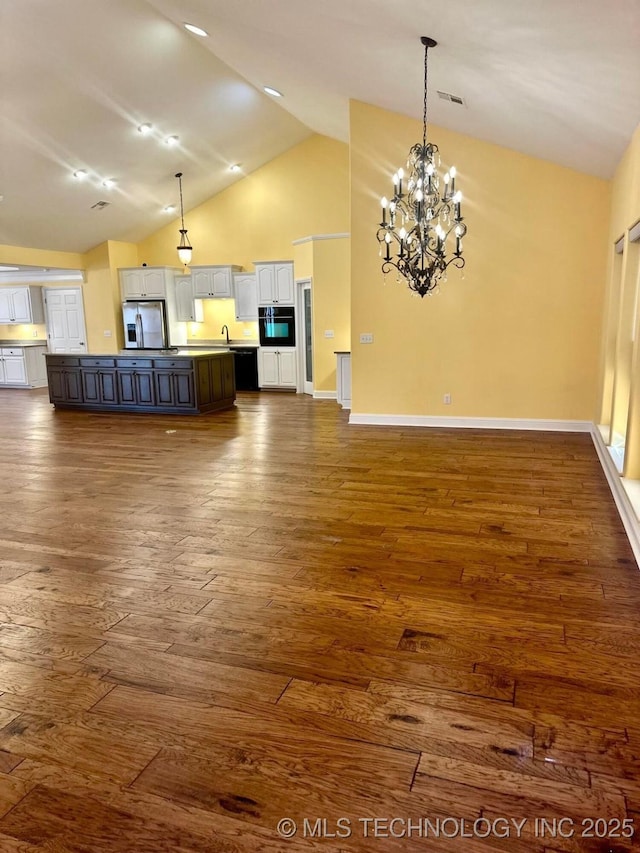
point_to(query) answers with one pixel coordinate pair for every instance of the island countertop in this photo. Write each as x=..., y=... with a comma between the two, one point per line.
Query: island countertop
x=32, y=342
x=155, y=354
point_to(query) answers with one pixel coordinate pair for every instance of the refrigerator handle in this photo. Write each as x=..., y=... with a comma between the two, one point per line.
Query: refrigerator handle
x=139, y=331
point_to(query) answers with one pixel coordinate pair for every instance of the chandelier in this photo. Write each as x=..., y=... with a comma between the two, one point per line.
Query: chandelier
x=418, y=221
x=184, y=249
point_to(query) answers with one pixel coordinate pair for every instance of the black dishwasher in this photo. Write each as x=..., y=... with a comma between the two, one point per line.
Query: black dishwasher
x=246, y=361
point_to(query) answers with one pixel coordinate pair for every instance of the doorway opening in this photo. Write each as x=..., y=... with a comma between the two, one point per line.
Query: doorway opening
x=305, y=337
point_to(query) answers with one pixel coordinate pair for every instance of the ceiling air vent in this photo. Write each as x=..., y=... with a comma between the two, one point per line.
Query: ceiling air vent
x=455, y=99
x=100, y=205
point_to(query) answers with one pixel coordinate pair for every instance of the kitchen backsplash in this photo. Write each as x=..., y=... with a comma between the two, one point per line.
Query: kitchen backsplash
x=217, y=313
x=23, y=332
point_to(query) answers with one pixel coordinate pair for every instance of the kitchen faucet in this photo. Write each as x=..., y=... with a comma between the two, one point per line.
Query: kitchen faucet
x=225, y=328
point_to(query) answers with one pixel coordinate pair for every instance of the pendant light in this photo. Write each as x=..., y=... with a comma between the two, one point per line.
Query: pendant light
x=184, y=249
x=417, y=221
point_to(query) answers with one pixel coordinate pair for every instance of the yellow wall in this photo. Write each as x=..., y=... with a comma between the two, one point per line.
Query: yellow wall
x=303, y=191
x=12, y=255
x=517, y=337
x=120, y=255
x=303, y=259
x=99, y=311
x=331, y=298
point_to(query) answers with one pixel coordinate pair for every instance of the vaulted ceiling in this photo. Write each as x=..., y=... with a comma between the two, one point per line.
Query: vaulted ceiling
x=557, y=79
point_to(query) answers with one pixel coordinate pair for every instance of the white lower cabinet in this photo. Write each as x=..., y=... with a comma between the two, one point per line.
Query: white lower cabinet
x=277, y=368
x=23, y=367
x=343, y=379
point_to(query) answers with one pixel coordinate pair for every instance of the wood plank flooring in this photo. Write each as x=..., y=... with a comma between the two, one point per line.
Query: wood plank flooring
x=211, y=624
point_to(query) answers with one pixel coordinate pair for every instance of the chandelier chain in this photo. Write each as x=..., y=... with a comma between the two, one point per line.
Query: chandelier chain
x=424, y=112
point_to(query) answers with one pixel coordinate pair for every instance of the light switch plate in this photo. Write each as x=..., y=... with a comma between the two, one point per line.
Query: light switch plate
x=328, y=333
x=107, y=333
x=367, y=338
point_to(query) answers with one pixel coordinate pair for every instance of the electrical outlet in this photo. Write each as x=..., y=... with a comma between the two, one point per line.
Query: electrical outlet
x=367, y=338
x=107, y=333
x=246, y=333
x=328, y=333
x=35, y=334
x=447, y=399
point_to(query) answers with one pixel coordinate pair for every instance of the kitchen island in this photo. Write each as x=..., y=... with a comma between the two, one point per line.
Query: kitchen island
x=178, y=382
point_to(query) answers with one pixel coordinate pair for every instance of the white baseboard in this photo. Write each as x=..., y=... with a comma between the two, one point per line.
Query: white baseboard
x=471, y=423
x=625, y=509
x=325, y=395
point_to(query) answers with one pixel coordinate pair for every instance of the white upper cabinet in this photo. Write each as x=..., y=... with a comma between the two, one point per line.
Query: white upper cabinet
x=188, y=309
x=275, y=283
x=246, y=296
x=21, y=305
x=212, y=282
x=144, y=282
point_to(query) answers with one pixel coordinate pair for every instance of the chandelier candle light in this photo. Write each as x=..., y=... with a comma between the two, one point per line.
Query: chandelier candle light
x=184, y=249
x=418, y=220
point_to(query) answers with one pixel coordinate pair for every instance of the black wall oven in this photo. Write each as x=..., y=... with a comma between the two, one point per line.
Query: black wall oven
x=277, y=326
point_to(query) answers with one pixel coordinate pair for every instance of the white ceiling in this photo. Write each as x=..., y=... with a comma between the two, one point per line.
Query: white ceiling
x=558, y=79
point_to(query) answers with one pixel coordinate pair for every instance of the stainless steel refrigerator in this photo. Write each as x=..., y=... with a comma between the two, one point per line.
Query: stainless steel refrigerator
x=145, y=324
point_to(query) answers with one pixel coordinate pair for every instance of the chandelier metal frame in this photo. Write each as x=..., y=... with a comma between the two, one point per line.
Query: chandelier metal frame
x=417, y=223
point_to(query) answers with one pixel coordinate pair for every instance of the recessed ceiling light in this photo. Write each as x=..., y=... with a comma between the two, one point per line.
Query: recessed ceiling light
x=172, y=140
x=195, y=30
x=273, y=92
x=145, y=128
x=170, y=208
x=235, y=167
x=109, y=183
x=80, y=174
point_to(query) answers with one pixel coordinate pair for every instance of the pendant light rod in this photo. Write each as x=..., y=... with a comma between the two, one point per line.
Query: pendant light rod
x=179, y=177
x=185, y=250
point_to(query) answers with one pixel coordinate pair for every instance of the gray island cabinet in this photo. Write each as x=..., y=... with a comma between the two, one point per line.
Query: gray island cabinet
x=183, y=382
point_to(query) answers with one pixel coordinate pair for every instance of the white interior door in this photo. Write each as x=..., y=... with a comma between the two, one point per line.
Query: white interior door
x=66, y=330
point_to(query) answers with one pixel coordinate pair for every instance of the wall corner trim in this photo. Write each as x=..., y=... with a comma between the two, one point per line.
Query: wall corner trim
x=314, y=237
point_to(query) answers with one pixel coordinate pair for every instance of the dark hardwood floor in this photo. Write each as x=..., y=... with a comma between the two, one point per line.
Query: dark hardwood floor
x=210, y=624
